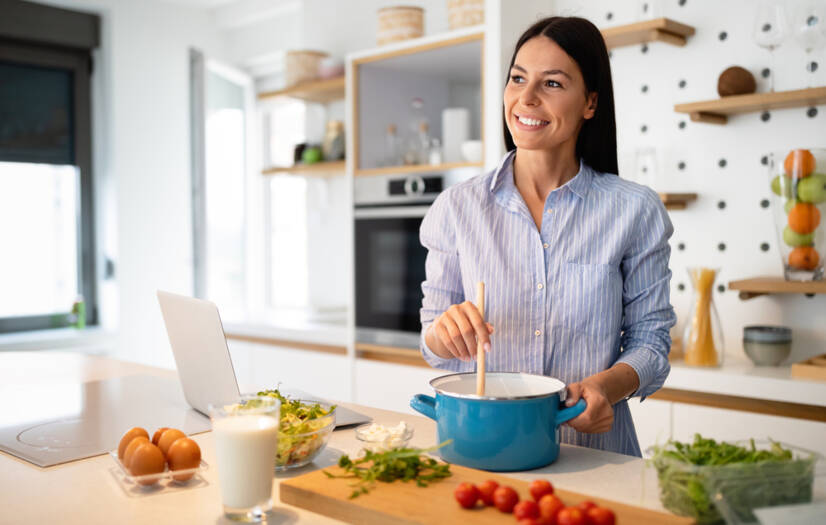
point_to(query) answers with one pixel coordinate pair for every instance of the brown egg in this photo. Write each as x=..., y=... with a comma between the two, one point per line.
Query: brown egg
x=131, y=448
x=157, y=435
x=183, y=454
x=127, y=438
x=168, y=437
x=147, y=459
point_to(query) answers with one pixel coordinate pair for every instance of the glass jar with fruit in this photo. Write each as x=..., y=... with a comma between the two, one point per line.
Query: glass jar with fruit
x=798, y=183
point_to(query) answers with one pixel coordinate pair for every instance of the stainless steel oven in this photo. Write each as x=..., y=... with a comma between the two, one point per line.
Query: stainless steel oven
x=389, y=259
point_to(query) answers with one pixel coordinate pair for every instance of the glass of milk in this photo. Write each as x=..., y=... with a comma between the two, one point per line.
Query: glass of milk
x=246, y=443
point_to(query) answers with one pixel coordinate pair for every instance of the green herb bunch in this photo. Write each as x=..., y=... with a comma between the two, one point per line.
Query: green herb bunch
x=405, y=464
x=744, y=476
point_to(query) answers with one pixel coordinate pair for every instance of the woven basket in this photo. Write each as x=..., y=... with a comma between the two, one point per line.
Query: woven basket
x=463, y=13
x=302, y=66
x=399, y=23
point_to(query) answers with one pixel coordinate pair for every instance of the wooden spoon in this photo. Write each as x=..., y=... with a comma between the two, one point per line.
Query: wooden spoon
x=480, y=351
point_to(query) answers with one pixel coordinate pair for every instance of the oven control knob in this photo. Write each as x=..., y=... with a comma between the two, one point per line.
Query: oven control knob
x=414, y=186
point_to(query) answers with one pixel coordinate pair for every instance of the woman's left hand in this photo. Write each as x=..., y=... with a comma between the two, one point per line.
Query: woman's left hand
x=599, y=414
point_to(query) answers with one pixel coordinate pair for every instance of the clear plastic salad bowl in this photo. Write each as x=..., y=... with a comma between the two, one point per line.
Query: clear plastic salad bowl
x=301, y=440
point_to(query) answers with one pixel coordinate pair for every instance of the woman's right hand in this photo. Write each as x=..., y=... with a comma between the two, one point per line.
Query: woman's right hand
x=457, y=331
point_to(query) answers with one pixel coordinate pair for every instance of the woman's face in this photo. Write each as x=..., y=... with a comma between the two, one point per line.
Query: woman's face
x=545, y=98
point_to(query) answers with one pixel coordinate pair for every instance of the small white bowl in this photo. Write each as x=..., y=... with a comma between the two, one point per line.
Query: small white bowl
x=378, y=445
x=472, y=150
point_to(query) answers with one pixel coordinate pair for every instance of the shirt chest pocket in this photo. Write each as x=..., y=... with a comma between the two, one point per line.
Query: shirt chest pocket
x=587, y=298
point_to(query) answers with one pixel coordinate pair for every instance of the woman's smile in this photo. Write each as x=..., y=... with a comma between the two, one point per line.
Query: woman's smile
x=529, y=123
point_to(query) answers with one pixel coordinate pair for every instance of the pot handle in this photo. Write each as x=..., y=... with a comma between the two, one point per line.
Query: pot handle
x=566, y=414
x=425, y=405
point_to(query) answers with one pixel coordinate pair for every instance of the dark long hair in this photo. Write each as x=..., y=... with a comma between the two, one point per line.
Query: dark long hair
x=597, y=141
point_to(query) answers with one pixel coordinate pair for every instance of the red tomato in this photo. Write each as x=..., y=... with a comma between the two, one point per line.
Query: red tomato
x=528, y=521
x=570, y=516
x=486, y=490
x=549, y=507
x=540, y=487
x=466, y=494
x=601, y=516
x=526, y=509
x=585, y=506
x=505, y=499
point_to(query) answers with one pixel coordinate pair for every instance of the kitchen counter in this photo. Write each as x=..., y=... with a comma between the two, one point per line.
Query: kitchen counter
x=291, y=328
x=744, y=379
x=87, y=491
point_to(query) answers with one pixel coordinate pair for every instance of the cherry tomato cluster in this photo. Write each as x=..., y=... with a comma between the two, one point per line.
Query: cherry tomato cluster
x=544, y=509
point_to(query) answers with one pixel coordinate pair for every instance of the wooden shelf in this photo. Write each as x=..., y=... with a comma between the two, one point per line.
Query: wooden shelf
x=717, y=111
x=758, y=286
x=677, y=201
x=321, y=91
x=416, y=168
x=318, y=169
x=657, y=30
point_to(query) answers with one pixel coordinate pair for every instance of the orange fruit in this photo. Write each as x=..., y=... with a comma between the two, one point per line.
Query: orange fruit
x=804, y=258
x=804, y=217
x=799, y=163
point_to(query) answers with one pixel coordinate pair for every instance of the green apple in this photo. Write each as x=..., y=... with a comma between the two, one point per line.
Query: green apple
x=782, y=185
x=792, y=238
x=812, y=188
x=789, y=205
x=311, y=155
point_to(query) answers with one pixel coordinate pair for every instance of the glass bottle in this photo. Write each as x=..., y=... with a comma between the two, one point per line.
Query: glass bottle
x=413, y=147
x=435, y=156
x=391, y=147
x=703, y=337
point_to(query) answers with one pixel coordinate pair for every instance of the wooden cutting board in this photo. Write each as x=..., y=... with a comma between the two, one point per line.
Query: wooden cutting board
x=405, y=503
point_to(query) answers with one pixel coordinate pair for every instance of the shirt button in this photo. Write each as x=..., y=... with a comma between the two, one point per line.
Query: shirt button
x=539, y=286
x=537, y=333
x=549, y=210
x=545, y=245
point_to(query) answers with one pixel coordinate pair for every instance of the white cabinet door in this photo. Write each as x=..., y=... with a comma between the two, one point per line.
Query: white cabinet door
x=652, y=419
x=389, y=386
x=262, y=366
x=731, y=425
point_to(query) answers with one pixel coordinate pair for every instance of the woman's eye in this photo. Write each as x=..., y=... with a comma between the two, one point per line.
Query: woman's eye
x=516, y=79
x=552, y=83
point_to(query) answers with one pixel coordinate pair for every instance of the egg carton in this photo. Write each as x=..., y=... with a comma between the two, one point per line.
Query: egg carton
x=156, y=483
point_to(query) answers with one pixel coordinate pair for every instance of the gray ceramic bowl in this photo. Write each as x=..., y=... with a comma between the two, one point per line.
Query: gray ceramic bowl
x=767, y=345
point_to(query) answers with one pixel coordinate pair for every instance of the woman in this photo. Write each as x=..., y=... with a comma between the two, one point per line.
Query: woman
x=574, y=259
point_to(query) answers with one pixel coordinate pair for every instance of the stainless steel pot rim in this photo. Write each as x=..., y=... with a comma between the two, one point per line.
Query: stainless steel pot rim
x=561, y=392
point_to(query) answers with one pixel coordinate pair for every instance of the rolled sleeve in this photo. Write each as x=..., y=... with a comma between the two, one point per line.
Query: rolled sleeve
x=443, y=285
x=647, y=312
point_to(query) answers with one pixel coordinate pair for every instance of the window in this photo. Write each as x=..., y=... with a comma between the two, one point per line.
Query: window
x=46, y=212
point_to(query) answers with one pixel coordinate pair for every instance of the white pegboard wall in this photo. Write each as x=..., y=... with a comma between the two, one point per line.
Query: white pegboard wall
x=728, y=227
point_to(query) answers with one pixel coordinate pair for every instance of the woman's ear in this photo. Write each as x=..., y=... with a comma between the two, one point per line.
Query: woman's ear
x=590, y=106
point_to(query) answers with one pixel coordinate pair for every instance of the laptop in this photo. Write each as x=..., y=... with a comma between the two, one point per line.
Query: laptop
x=202, y=356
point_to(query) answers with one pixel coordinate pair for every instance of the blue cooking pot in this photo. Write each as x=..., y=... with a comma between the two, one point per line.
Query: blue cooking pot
x=515, y=426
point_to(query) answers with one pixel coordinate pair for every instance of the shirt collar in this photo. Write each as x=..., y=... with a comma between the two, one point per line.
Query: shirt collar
x=502, y=183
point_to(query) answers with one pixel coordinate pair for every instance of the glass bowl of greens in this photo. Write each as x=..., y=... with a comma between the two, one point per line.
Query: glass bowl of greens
x=719, y=482
x=304, y=430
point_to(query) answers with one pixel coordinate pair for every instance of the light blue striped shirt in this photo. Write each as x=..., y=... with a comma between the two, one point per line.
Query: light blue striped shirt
x=589, y=290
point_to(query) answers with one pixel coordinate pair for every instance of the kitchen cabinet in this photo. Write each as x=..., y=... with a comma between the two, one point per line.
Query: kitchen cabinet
x=652, y=420
x=441, y=72
x=732, y=425
x=390, y=386
x=262, y=366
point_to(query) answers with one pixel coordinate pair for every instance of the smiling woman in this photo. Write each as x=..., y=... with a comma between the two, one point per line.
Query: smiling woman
x=574, y=259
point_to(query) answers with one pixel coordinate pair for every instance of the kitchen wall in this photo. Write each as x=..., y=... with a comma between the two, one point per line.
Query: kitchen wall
x=142, y=161
x=726, y=227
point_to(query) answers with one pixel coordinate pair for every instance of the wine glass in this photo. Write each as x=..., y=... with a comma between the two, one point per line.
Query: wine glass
x=809, y=27
x=770, y=30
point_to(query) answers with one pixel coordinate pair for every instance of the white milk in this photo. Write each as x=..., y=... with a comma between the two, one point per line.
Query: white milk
x=245, y=447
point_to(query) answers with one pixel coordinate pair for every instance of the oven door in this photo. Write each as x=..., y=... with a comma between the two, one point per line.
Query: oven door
x=390, y=268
